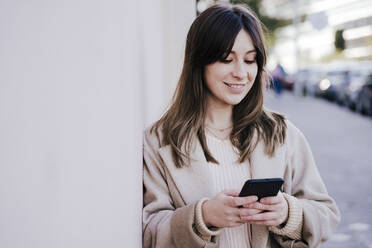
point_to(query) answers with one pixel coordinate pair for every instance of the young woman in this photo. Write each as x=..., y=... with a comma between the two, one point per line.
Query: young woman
x=215, y=136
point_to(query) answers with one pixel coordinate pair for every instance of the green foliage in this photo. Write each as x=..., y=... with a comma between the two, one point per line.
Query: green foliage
x=339, y=40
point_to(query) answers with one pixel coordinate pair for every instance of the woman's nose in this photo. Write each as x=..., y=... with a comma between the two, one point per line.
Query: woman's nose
x=239, y=72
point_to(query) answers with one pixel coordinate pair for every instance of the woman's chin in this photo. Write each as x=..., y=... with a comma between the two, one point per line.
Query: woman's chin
x=234, y=100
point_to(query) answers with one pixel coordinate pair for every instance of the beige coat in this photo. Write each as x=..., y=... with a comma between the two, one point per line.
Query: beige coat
x=170, y=194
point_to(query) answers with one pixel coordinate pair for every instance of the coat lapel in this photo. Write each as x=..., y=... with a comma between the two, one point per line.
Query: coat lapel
x=193, y=182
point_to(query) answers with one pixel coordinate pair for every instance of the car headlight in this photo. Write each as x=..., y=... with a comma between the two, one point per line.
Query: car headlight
x=324, y=84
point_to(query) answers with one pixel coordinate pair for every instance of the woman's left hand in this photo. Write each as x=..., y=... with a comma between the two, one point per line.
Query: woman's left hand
x=274, y=211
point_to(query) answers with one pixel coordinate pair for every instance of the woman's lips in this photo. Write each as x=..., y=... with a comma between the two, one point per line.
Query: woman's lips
x=236, y=87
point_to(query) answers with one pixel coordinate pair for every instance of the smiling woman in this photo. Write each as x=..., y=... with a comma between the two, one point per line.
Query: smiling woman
x=216, y=135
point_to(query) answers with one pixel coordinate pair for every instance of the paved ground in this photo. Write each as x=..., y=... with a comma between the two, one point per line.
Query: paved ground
x=341, y=142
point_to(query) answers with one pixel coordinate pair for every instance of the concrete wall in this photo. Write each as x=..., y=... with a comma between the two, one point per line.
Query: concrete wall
x=74, y=76
x=165, y=28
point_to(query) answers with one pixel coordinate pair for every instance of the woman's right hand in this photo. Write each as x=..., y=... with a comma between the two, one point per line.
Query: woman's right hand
x=223, y=209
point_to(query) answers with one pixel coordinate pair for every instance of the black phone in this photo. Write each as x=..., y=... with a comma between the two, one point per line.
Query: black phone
x=262, y=187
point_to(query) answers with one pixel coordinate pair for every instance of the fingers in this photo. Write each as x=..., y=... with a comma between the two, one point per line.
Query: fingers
x=231, y=192
x=240, y=201
x=258, y=205
x=268, y=203
x=233, y=199
x=274, y=211
x=224, y=211
x=248, y=211
x=272, y=200
x=265, y=212
x=231, y=216
x=244, y=201
x=263, y=218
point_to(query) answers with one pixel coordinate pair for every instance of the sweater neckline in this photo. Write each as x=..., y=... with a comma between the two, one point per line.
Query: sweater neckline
x=213, y=137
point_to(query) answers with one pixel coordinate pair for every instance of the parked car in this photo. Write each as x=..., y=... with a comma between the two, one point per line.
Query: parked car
x=358, y=77
x=334, y=80
x=322, y=80
x=315, y=75
x=357, y=80
x=364, y=101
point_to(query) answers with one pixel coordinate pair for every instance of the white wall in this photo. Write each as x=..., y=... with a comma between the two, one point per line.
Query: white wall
x=76, y=77
x=166, y=23
x=70, y=124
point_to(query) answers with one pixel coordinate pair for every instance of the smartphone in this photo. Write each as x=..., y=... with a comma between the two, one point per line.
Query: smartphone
x=262, y=187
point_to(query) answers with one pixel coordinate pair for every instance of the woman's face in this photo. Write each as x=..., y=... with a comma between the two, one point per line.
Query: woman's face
x=230, y=80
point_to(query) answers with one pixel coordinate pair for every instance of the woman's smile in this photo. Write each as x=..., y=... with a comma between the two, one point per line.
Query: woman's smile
x=236, y=87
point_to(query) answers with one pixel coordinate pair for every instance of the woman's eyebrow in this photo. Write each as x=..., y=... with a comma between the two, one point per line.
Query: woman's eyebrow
x=250, y=51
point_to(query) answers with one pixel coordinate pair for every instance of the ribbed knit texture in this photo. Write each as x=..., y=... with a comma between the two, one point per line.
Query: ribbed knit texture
x=293, y=227
x=228, y=174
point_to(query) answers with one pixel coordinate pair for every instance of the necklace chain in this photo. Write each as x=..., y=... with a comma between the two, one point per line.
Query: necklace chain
x=218, y=129
x=219, y=136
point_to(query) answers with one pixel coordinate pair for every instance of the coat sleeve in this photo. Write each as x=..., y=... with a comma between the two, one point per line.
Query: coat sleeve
x=320, y=213
x=164, y=225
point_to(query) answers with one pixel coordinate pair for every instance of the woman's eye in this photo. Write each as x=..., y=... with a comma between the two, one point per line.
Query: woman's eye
x=250, y=61
x=226, y=61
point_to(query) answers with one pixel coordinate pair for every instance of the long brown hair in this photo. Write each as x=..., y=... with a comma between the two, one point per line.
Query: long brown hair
x=211, y=38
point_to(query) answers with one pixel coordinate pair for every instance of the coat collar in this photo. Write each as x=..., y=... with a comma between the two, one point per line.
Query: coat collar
x=193, y=181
